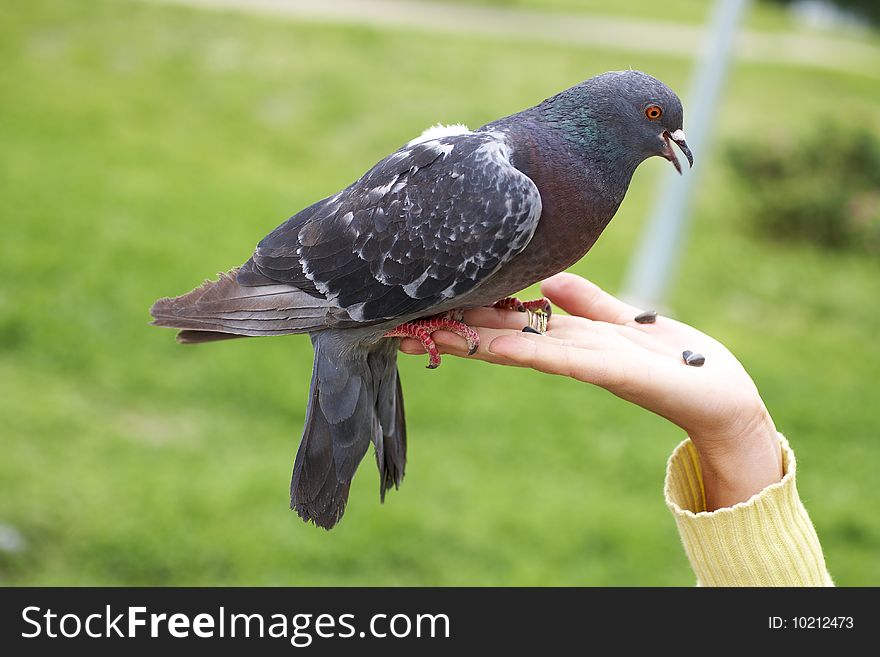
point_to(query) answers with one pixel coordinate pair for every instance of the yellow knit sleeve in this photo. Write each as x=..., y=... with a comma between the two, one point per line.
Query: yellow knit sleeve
x=767, y=540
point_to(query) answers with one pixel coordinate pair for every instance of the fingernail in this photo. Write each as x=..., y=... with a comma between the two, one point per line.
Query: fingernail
x=529, y=329
x=647, y=317
x=693, y=359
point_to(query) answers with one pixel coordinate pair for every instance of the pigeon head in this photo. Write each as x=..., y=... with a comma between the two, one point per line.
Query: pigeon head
x=623, y=117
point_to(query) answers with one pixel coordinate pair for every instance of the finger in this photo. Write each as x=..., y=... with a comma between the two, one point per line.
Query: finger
x=578, y=296
x=477, y=318
x=557, y=357
x=446, y=341
x=589, y=335
x=449, y=343
x=411, y=346
x=495, y=318
x=454, y=345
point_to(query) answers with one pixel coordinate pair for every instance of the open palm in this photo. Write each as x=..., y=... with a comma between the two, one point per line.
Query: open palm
x=599, y=342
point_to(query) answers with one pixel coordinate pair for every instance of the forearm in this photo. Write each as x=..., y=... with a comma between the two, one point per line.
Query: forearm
x=766, y=540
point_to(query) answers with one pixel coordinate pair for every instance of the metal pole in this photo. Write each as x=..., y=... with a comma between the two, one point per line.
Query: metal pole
x=652, y=267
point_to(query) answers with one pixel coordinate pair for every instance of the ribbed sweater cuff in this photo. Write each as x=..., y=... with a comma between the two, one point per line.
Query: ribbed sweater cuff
x=767, y=540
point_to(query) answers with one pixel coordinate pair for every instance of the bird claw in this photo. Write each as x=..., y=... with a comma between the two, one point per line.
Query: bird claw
x=541, y=305
x=423, y=329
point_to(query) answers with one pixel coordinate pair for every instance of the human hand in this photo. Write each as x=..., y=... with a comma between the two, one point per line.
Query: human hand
x=599, y=342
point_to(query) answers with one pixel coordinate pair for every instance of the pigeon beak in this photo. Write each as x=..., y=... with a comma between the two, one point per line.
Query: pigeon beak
x=669, y=153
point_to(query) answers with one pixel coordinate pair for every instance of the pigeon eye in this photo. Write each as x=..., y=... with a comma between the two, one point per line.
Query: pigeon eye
x=653, y=112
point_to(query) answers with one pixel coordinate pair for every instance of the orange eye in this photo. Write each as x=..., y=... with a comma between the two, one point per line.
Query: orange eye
x=653, y=112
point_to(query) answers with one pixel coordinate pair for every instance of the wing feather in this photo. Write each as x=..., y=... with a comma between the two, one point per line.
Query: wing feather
x=429, y=222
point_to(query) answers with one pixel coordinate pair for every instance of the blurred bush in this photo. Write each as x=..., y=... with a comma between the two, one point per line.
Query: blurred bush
x=822, y=188
x=860, y=9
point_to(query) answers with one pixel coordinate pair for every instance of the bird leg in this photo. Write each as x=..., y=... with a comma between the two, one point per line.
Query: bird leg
x=422, y=329
x=512, y=303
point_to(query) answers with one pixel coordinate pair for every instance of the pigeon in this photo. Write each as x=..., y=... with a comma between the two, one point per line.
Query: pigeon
x=452, y=220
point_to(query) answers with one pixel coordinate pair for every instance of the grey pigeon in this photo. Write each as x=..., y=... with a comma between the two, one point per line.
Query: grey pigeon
x=454, y=219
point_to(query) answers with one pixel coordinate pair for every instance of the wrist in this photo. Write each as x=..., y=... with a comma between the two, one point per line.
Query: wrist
x=741, y=463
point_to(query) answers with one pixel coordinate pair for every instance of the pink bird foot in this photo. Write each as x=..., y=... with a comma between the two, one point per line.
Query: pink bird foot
x=422, y=329
x=512, y=303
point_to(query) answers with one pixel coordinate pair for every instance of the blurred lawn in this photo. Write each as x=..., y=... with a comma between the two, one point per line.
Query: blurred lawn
x=147, y=147
x=761, y=14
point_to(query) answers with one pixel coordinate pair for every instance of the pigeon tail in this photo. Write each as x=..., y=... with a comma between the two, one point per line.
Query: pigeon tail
x=222, y=309
x=355, y=399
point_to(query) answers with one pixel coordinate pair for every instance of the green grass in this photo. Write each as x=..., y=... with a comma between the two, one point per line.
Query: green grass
x=760, y=15
x=145, y=148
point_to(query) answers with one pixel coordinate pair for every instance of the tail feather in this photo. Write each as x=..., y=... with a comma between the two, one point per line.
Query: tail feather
x=226, y=307
x=349, y=407
x=391, y=443
x=316, y=493
x=197, y=337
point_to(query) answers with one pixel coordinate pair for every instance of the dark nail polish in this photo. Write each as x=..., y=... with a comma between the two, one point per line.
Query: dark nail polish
x=647, y=317
x=693, y=359
x=529, y=329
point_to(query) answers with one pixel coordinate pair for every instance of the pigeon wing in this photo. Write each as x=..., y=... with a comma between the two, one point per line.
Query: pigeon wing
x=426, y=224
